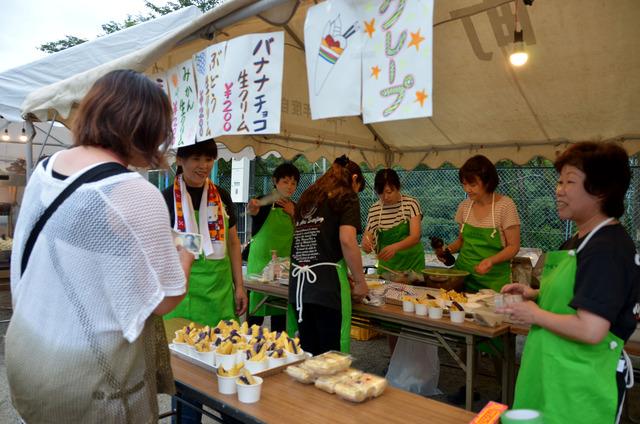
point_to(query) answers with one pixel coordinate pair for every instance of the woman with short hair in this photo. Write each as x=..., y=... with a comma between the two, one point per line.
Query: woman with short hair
x=393, y=226
x=489, y=235
x=272, y=231
x=573, y=367
x=83, y=345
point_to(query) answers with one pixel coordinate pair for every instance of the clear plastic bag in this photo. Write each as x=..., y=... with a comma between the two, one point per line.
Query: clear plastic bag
x=415, y=367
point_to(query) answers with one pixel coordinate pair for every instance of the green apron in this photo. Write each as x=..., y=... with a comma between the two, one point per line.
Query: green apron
x=210, y=297
x=568, y=381
x=411, y=258
x=477, y=246
x=302, y=277
x=276, y=234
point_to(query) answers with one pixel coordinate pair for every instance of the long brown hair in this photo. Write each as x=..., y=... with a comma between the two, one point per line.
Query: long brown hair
x=332, y=187
x=127, y=113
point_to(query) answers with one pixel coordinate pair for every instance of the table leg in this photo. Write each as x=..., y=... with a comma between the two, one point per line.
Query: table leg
x=508, y=368
x=471, y=368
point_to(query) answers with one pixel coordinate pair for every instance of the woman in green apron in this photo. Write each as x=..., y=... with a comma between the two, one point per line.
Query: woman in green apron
x=197, y=206
x=327, y=220
x=489, y=233
x=393, y=226
x=573, y=367
x=272, y=229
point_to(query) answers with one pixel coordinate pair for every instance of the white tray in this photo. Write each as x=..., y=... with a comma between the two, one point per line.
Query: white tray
x=196, y=361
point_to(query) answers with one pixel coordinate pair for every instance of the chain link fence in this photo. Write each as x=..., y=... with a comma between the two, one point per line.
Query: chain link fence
x=439, y=193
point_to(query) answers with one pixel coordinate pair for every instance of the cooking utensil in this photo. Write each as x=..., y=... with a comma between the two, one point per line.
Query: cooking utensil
x=444, y=278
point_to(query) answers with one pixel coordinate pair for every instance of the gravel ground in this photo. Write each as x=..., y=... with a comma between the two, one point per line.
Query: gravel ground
x=370, y=356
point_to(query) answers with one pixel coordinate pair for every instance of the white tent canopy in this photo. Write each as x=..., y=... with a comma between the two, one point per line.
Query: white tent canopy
x=580, y=83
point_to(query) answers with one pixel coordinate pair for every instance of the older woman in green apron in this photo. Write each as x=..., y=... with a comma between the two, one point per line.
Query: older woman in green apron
x=393, y=226
x=324, y=246
x=272, y=229
x=489, y=233
x=573, y=367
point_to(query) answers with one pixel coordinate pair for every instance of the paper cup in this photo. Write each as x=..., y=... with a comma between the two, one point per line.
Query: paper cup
x=294, y=357
x=521, y=416
x=241, y=356
x=227, y=385
x=206, y=357
x=225, y=361
x=249, y=394
x=255, y=367
x=277, y=362
x=408, y=306
x=457, y=316
x=421, y=309
x=435, y=313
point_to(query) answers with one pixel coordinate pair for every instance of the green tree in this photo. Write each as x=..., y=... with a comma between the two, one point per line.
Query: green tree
x=131, y=20
x=65, y=43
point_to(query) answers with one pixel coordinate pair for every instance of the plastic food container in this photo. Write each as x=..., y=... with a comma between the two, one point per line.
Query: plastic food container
x=435, y=313
x=408, y=306
x=276, y=362
x=421, y=309
x=249, y=393
x=255, y=367
x=227, y=385
x=457, y=316
x=225, y=361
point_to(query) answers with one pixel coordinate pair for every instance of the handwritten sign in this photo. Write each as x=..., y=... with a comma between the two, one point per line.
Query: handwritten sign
x=239, y=85
x=182, y=89
x=397, y=64
x=208, y=68
x=333, y=38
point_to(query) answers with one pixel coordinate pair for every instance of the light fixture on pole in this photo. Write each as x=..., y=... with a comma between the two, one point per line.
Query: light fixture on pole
x=5, y=136
x=519, y=56
x=23, y=136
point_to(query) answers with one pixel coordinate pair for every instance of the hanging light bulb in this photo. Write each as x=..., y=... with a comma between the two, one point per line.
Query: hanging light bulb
x=519, y=56
x=23, y=136
x=5, y=136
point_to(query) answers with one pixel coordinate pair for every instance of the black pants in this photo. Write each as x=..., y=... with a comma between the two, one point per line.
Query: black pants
x=320, y=328
x=278, y=322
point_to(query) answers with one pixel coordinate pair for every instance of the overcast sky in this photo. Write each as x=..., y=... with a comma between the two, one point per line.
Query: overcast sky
x=26, y=24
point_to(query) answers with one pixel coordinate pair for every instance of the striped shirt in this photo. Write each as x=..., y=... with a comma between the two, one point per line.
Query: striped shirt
x=388, y=216
x=506, y=215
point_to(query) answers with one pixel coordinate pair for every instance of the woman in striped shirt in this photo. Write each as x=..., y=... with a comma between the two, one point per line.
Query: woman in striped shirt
x=393, y=226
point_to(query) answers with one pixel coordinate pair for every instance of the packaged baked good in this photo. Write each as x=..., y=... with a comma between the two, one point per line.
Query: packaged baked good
x=365, y=387
x=327, y=383
x=300, y=373
x=328, y=363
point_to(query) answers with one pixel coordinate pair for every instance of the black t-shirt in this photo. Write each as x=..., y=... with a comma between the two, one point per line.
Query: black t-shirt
x=607, y=278
x=196, y=193
x=317, y=239
x=259, y=219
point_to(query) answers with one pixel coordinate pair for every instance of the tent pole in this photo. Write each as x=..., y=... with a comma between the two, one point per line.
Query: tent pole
x=44, y=143
x=29, y=147
x=241, y=14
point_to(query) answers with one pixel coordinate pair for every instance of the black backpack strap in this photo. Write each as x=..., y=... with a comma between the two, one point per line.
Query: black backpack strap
x=96, y=173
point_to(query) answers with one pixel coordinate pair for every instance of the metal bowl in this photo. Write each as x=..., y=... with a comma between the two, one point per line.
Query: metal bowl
x=445, y=278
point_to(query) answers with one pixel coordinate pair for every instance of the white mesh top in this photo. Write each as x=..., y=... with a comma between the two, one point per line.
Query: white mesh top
x=102, y=264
